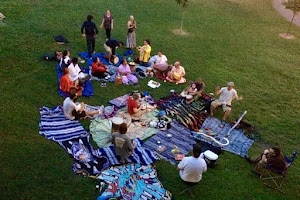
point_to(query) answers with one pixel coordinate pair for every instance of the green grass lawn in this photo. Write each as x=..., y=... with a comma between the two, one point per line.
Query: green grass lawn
x=228, y=41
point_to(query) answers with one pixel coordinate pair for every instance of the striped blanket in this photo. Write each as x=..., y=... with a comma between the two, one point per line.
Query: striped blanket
x=139, y=155
x=55, y=126
x=181, y=137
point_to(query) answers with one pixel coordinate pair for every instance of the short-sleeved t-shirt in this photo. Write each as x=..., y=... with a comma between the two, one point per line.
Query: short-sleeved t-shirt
x=192, y=169
x=161, y=60
x=227, y=96
x=131, y=105
x=200, y=87
x=122, y=144
x=68, y=108
x=74, y=72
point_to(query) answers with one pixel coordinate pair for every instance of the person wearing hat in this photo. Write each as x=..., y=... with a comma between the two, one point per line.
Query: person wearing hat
x=177, y=73
x=227, y=94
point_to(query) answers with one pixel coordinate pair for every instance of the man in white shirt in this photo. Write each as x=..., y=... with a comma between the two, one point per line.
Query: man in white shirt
x=75, y=73
x=75, y=111
x=227, y=94
x=161, y=63
x=192, y=167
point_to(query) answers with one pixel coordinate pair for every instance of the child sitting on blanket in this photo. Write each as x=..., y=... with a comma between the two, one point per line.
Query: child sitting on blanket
x=135, y=110
x=123, y=145
x=191, y=90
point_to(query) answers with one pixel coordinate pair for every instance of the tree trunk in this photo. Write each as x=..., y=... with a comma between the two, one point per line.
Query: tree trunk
x=181, y=20
x=291, y=22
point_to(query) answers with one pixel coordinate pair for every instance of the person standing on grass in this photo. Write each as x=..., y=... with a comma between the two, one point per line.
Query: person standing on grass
x=123, y=145
x=107, y=23
x=191, y=168
x=75, y=111
x=227, y=94
x=131, y=38
x=89, y=30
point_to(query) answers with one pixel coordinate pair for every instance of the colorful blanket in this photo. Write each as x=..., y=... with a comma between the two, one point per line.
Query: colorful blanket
x=133, y=182
x=55, y=126
x=139, y=155
x=122, y=101
x=190, y=115
x=112, y=74
x=85, y=55
x=181, y=137
x=100, y=129
x=86, y=162
x=239, y=144
x=88, y=89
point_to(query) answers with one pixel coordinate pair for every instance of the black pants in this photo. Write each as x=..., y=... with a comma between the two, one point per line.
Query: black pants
x=90, y=42
x=108, y=33
x=99, y=74
x=83, y=80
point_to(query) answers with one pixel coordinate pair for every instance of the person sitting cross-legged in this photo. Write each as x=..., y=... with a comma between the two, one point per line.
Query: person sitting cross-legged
x=177, y=73
x=98, y=68
x=75, y=111
x=66, y=85
x=192, y=167
x=135, y=110
x=123, y=145
x=227, y=94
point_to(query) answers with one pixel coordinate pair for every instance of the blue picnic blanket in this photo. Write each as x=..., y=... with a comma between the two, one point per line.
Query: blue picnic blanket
x=139, y=155
x=88, y=89
x=85, y=55
x=239, y=143
x=55, y=126
x=133, y=182
x=181, y=137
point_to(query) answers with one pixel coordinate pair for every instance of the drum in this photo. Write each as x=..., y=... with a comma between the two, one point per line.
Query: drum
x=149, y=70
x=183, y=94
x=116, y=60
x=210, y=158
x=118, y=80
x=132, y=66
x=176, y=76
x=189, y=98
x=116, y=122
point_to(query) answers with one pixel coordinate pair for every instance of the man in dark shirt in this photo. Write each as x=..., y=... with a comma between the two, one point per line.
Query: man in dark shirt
x=89, y=30
x=110, y=46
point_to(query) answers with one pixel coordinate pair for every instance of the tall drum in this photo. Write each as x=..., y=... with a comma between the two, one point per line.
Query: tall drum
x=116, y=122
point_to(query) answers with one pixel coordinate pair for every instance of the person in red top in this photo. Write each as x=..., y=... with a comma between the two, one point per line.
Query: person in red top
x=66, y=85
x=98, y=68
x=134, y=109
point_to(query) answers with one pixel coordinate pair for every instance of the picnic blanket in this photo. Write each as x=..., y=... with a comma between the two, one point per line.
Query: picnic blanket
x=133, y=182
x=85, y=55
x=112, y=74
x=88, y=89
x=86, y=162
x=181, y=137
x=239, y=143
x=55, y=126
x=100, y=129
x=190, y=115
x=139, y=155
x=123, y=100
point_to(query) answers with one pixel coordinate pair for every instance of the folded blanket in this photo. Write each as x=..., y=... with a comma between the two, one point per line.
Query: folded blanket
x=85, y=55
x=139, y=155
x=88, y=89
x=55, y=126
x=239, y=144
x=86, y=162
x=132, y=182
x=181, y=137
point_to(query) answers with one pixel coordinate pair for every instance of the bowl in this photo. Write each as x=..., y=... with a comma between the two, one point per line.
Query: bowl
x=169, y=135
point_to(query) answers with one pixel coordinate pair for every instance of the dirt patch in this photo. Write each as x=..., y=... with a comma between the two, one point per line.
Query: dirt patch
x=234, y=1
x=287, y=36
x=180, y=32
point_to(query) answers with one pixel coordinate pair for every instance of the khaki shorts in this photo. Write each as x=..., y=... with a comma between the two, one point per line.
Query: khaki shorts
x=107, y=48
x=217, y=103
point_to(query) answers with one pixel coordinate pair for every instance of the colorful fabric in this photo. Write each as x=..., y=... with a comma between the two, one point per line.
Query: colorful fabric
x=103, y=60
x=133, y=182
x=181, y=137
x=55, y=126
x=86, y=162
x=139, y=155
x=123, y=70
x=190, y=115
x=239, y=144
x=120, y=101
x=88, y=89
x=131, y=105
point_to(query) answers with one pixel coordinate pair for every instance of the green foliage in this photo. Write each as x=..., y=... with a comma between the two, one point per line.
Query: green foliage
x=184, y=3
x=293, y=5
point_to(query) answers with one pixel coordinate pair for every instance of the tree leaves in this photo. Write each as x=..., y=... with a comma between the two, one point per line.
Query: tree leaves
x=184, y=3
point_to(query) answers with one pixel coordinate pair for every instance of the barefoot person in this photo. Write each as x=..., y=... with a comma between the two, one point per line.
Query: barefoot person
x=75, y=111
x=134, y=109
x=177, y=73
x=227, y=94
x=123, y=145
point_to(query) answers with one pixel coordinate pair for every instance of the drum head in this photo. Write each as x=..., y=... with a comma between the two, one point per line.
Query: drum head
x=116, y=60
x=189, y=97
x=117, y=120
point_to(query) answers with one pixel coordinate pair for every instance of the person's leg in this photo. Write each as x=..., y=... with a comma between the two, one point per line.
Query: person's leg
x=108, y=33
x=132, y=78
x=89, y=45
x=140, y=113
x=213, y=106
x=82, y=81
x=93, y=45
x=227, y=111
x=125, y=80
x=92, y=113
x=99, y=74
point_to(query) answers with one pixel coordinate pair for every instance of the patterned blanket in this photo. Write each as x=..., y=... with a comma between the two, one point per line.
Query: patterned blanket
x=181, y=137
x=133, y=182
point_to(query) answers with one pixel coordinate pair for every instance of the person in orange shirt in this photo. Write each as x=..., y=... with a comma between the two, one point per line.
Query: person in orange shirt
x=66, y=85
x=98, y=68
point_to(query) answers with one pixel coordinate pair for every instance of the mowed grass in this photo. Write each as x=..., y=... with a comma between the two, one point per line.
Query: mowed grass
x=228, y=41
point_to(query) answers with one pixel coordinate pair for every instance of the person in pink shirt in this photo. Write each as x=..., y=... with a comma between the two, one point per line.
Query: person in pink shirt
x=125, y=71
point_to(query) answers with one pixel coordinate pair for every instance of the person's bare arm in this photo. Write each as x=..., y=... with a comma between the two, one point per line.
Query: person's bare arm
x=112, y=24
x=218, y=90
x=102, y=23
